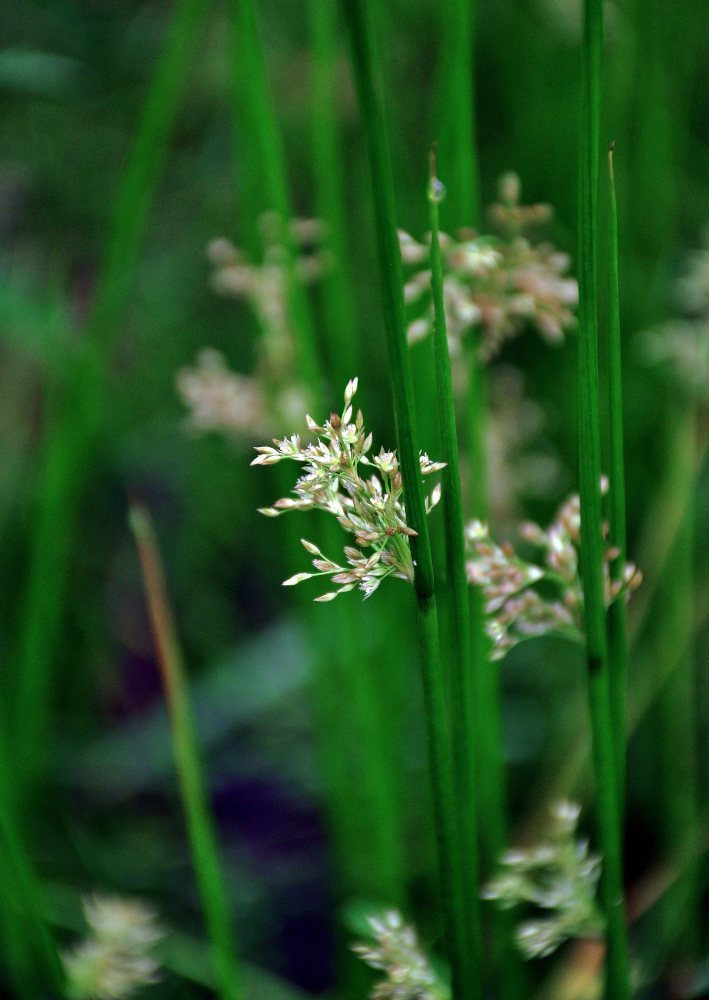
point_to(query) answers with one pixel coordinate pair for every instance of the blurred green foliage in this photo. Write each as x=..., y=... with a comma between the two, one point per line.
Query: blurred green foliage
x=73, y=78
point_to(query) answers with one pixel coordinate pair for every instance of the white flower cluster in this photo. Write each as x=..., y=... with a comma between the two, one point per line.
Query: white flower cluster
x=498, y=283
x=559, y=878
x=115, y=959
x=396, y=952
x=250, y=405
x=681, y=346
x=514, y=610
x=265, y=286
x=371, y=509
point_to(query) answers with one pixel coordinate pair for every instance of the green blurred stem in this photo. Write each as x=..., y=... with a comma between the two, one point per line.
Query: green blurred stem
x=603, y=743
x=676, y=708
x=466, y=975
x=74, y=416
x=462, y=683
x=329, y=173
x=267, y=184
x=33, y=962
x=617, y=616
x=195, y=801
x=456, y=82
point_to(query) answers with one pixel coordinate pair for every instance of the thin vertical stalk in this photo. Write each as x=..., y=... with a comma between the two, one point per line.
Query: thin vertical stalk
x=267, y=184
x=617, y=625
x=463, y=722
x=258, y=120
x=33, y=963
x=466, y=978
x=674, y=628
x=75, y=417
x=328, y=169
x=603, y=749
x=458, y=147
x=190, y=771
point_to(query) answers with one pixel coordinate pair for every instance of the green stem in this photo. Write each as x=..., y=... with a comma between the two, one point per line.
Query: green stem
x=676, y=708
x=617, y=625
x=33, y=962
x=329, y=171
x=457, y=103
x=603, y=744
x=74, y=423
x=466, y=977
x=462, y=686
x=195, y=801
x=267, y=184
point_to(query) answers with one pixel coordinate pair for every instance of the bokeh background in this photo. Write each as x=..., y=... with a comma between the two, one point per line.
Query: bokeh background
x=104, y=813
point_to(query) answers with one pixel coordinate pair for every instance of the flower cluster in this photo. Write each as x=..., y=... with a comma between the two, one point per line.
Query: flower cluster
x=371, y=509
x=265, y=286
x=397, y=953
x=681, y=346
x=232, y=404
x=514, y=610
x=235, y=404
x=497, y=283
x=115, y=959
x=521, y=462
x=559, y=878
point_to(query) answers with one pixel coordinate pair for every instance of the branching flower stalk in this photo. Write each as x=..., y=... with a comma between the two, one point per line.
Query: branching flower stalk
x=515, y=610
x=559, y=879
x=493, y=285
x=116, y=958
x=396, y=952
x=370, y=509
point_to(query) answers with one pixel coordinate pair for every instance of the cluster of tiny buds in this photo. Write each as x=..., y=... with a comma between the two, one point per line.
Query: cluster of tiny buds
x=238, y=406
x=115, y=959
x=371, y=509
x=497, y=283
x=396, y=952
x=514, y=609
x=559, y=878
x=680, y=347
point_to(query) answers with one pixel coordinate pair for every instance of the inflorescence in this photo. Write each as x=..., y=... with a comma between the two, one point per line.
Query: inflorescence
x=371, y=509
x=514, y=609
x=559, y=878
x=116, y=958
x=498, y=284
x=396, y=952
x=247, y=405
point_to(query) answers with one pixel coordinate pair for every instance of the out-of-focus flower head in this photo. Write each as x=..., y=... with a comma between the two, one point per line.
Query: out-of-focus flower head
x=499, y=284
x=680, y=347
x=558, y=879
x=514, y=609
x=396, y=952
x=247, y=406
x=115, y=959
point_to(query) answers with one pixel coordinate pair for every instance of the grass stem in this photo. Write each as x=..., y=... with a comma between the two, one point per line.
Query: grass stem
x=462, y=683
x=466, y=977
x=76, y=413
x=195, y=800
x=602, y=734
x=617, y=616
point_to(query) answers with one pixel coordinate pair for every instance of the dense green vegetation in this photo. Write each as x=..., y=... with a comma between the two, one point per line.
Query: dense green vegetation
x=352, y=756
